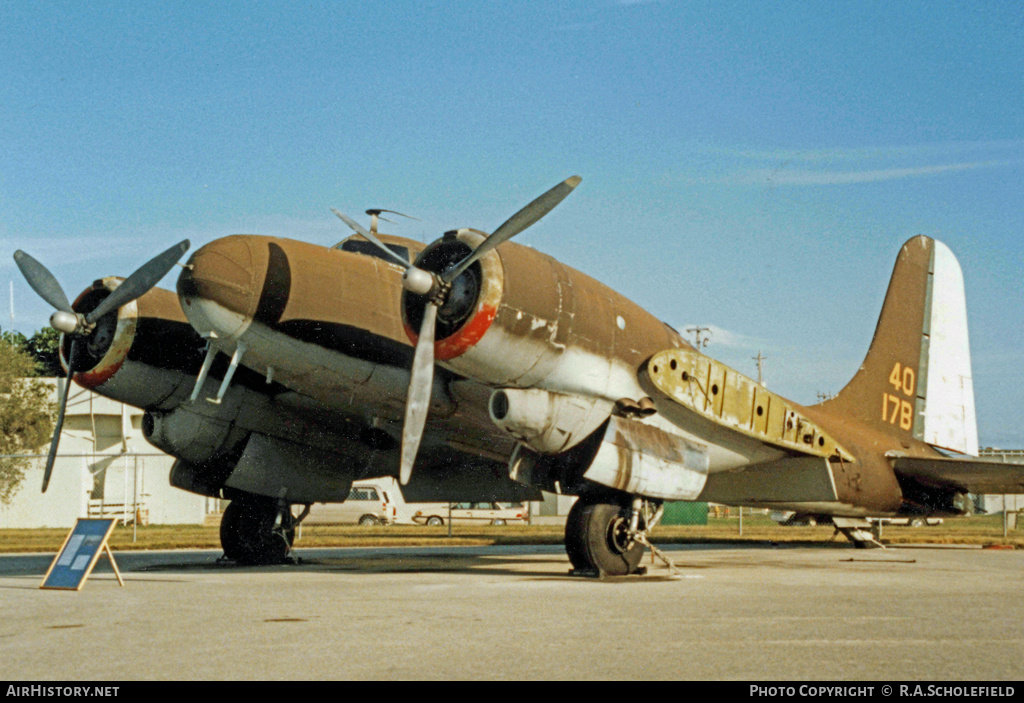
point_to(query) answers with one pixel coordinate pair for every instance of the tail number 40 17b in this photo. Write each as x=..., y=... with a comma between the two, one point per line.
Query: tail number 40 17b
x=897, y=410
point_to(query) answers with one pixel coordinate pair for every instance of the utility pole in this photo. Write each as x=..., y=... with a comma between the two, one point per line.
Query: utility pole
x=760, y=359
x=698, y=342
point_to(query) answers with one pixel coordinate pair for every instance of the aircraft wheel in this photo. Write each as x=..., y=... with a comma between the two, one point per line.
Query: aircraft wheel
x=229, y=539
x=248, y=533
x=597, y=539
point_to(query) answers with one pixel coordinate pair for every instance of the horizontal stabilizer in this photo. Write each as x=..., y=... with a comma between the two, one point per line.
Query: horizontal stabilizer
x=967, y=475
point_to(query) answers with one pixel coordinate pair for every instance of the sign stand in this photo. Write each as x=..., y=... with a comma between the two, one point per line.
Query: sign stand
x=79, y=553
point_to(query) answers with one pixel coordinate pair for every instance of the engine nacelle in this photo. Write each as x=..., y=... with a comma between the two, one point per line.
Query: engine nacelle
x=145, y=354
x=547, y=422
x=197, y=433
x=624, y=455
x=518, y=318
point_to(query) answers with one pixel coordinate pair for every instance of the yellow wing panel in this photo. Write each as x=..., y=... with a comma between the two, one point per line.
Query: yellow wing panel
x=729, y=399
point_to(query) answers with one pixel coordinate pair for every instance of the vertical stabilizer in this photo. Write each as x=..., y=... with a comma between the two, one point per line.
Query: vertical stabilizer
x=916, y=378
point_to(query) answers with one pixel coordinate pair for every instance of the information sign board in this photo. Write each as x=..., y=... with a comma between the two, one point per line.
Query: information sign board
x=79, y=554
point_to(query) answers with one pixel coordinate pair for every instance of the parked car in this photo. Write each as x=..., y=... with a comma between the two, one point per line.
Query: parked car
x=908, y=521
x=788, y=517
x=485, y=513
x=368, y=503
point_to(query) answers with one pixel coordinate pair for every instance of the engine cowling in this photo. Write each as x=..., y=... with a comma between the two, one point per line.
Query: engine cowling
x=547, y=422
x=518, y=319
x=197, y=433
x=144, y=354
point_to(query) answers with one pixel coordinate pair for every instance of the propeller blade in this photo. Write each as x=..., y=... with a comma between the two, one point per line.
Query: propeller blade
x=42, y=281
x=515, y=224
x=379, y=244
x=417, y=403
x=140, y=282
x=51, y=457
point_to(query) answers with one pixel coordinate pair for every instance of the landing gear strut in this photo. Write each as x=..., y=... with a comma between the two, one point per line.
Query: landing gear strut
x=607, y=536
x=257, y=530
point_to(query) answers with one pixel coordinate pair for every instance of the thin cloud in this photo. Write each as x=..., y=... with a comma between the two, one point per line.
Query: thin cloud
x=873, y=154
x=783, y=176
x=720, y=337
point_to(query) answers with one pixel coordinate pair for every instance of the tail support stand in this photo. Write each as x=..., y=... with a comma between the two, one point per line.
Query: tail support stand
x=858, y=531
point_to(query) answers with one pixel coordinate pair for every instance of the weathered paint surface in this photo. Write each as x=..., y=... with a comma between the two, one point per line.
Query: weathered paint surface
x=328, y=326
x=641, y=459
x=724, y=395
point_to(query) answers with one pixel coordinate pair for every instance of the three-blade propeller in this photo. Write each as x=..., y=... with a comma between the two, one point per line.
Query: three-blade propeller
x=77, y=326
x=436, y=287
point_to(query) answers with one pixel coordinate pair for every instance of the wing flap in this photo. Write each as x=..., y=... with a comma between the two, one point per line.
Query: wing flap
x=967, y=475
x=685, y=379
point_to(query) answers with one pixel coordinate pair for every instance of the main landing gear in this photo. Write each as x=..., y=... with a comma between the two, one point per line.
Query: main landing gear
x=607, y=536
x=257, y=530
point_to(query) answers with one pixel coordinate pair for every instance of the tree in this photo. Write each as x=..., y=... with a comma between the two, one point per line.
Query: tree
x=26, y=414
x=44, y=346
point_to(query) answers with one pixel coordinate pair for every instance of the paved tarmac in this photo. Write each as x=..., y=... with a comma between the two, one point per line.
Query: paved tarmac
x=737, y=612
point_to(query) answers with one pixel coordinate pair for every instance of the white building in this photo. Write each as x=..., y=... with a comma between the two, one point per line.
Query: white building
x=1001, y=503
x=105, y=467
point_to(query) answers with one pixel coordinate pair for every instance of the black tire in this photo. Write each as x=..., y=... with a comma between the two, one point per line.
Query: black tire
x=435, y=521
x=596, y=539
x=249, y=535
x=499, y=521
x=368, y=521
x=229, y=539
x=574, y=537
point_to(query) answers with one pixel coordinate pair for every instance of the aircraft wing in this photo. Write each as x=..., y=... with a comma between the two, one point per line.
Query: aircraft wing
x=702, y=395
x=968, y=475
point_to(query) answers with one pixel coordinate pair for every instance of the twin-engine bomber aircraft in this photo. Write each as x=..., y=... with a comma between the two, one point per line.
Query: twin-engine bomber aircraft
x=474, y=368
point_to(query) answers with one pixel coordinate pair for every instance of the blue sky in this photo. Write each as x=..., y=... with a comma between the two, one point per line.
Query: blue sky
x=749, y=166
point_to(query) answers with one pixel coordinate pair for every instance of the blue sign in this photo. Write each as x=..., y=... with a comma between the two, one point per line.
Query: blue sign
x=78, y=556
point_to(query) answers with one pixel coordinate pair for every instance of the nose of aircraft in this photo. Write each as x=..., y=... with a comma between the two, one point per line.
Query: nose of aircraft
x=220, y=286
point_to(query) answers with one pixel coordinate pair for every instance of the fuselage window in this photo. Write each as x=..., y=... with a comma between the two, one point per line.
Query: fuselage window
x=361, y=246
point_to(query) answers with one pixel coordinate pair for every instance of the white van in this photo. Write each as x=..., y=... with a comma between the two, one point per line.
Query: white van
x=379, y=501
x=372, y=502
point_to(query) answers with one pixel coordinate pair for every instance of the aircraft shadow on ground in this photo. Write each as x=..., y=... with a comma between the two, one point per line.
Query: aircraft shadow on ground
x=539, y=564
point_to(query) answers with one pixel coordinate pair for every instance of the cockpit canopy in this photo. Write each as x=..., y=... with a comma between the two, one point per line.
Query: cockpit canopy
x=358, y=245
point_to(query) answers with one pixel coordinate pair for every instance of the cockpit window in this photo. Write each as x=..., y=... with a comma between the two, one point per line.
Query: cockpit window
x=361, y=246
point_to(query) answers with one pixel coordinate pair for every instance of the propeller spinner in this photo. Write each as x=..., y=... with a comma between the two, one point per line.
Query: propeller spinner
x=437, y=288
x=77, y=326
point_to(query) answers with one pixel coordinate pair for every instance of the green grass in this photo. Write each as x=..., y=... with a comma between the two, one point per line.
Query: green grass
x=983, y=530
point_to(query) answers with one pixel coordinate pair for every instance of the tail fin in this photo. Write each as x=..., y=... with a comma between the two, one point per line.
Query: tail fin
x=916, y=378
